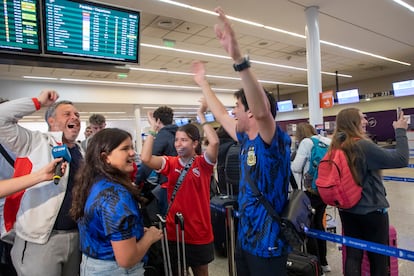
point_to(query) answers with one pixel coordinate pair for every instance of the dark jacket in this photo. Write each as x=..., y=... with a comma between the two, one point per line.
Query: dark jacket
x=163, y=145
x=373, y=160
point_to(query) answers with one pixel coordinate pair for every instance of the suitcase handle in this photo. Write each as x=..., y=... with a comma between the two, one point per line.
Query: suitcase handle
x=179, y=219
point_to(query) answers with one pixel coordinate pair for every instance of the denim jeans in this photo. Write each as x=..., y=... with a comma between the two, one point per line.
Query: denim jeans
x=91, y=266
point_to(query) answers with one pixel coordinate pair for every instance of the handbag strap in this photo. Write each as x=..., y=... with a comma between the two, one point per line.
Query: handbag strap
x=179, y=182
x=293, y=182
x=6, y=155
x=259, y=195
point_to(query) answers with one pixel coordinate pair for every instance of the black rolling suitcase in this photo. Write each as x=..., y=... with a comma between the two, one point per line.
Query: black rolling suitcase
x=218, y=203
x=303, y=264
x=218, y=206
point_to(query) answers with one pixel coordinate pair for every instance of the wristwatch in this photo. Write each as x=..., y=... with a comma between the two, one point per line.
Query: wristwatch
x=243, y=65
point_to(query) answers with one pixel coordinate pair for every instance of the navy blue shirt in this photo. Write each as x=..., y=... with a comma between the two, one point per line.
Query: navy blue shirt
x=111, y=214
x=267, y=167
x=63, y=220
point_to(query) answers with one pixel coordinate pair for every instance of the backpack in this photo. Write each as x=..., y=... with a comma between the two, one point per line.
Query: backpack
x=318, y=151
x=232, y=169
x=336, y=185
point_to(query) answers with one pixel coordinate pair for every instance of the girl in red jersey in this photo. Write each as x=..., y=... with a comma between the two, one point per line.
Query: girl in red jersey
x=192, y=199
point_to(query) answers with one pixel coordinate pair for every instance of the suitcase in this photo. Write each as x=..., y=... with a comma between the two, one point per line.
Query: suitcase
x=303, y=264
x=179, y=230
x=218, y=205
x=365, y=268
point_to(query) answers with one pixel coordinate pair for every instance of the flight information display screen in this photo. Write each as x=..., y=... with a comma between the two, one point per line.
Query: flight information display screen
x=19, y=26
x=83, y=29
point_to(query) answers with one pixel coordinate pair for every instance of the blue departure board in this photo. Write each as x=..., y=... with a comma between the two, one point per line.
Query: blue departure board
x=20, y=26
x=92, y=31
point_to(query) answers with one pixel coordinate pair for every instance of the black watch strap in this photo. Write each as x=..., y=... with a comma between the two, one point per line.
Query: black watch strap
x=243, y=65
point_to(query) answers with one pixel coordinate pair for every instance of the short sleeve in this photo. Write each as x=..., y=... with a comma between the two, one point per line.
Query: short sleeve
x=120, y=216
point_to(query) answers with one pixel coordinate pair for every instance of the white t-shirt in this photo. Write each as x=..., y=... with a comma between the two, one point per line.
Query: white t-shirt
x=301, y=162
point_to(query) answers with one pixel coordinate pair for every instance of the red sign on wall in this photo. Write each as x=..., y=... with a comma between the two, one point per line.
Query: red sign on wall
x=326, y=99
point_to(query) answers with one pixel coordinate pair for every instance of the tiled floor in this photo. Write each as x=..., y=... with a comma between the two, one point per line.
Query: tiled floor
x=401, y=198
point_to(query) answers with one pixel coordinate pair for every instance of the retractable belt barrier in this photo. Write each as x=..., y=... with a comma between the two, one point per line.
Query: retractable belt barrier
x=398, y=178
x=361, y=244
x=348, y=241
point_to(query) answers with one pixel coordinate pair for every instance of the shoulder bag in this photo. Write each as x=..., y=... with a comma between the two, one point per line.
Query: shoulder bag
x=295, y=218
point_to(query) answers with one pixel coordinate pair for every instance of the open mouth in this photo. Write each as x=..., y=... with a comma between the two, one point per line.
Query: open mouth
x=72, y=125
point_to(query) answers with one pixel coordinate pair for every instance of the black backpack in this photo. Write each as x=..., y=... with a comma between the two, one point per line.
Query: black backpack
x=232, y=169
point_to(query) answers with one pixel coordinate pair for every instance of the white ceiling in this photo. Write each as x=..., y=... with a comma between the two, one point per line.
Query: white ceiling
x=378, y=26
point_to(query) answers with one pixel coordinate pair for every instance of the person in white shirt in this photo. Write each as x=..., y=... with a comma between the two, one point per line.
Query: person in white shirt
x=299, y=166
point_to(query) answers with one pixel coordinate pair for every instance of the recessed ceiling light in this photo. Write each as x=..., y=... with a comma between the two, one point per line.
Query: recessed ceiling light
x=405, y=5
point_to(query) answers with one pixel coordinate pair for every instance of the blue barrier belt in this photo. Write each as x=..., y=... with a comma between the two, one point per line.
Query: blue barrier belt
x=397, y=178
x=361, y=244
x=348, y=241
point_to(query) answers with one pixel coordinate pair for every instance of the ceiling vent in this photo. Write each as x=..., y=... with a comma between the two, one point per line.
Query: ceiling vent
x=166, y=23
x=378, y=68
x=299, y=53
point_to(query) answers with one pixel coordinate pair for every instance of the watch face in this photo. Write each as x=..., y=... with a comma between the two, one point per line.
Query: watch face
x=243, y=65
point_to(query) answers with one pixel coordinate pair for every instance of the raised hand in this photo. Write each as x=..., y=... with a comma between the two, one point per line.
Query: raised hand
x=203, y=105
x=401, y=122
x=151, y=121
x=225, y=34
x=48, y=97
x=199, y=71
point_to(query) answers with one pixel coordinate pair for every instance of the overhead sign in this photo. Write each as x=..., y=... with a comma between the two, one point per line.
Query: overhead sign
x=326, y=99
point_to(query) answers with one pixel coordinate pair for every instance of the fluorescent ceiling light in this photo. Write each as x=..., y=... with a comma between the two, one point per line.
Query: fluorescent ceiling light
x=102, y=112
x=133, y=84
x=39, y=78
x=220, y=77
x=283, y=83
x=184, y=112
x=176, y=108
x=183, y=51
x=226, y=57
x=404, y=4
x=34, y=117
x=259, y=25
x=364, y=53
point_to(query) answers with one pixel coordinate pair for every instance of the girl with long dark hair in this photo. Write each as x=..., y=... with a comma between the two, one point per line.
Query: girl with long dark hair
x=105, y=205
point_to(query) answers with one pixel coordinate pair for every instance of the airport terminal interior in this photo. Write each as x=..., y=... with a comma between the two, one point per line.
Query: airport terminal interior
x=364, y=49
x=400, y=195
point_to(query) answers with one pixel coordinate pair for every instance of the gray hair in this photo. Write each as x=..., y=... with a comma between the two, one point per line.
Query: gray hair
x=51, y=111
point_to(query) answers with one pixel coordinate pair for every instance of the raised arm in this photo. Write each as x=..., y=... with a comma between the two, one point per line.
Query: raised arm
x=213, y=103
x=14, y=136
x=47, y=97
x=13, y=185
x=211, y=135
x=152, y=161
x=255, y=95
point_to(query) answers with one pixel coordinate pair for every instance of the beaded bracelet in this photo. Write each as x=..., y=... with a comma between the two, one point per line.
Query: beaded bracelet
x=152, y=133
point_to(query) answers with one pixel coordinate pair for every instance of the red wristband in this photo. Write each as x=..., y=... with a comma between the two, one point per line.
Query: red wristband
x=36, y=103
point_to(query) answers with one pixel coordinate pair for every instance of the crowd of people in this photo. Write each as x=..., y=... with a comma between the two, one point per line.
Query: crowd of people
x=91, y=223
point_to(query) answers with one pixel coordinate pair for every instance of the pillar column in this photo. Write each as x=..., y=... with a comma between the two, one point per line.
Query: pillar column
x=313, y=59
x=138, y=129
